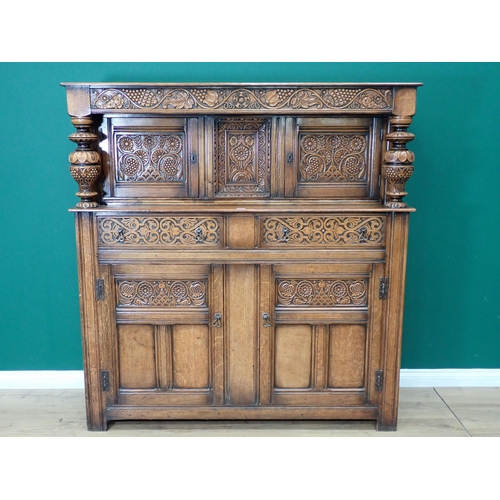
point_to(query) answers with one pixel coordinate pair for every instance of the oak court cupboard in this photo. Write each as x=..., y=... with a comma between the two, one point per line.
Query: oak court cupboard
x=241, y=248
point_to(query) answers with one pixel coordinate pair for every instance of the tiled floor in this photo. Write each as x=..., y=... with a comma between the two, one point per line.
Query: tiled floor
x=426, y=412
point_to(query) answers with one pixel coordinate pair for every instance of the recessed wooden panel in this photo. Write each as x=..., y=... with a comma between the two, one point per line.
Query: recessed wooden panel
x=137, y=356
x=347, y=356
x=293, y=348
x=190, y=356
x=241, y=229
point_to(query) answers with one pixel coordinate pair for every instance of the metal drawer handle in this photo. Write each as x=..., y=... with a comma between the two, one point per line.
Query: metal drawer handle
x=363, y=234
x=217, y=320
x=267, y=320
x=198, y=235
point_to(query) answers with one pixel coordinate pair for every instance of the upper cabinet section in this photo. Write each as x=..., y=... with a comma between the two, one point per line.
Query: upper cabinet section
x=151, y=143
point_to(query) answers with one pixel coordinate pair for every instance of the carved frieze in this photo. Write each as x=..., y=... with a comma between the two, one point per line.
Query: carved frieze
x=178, y=231
x=162, y=99
x=150, y=157
x=242, y=157
x=332, y=157
x=323, y=230
x=321, y=292
x=162, y=293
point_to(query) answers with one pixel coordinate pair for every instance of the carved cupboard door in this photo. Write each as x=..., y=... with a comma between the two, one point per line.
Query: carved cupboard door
x=153, y=158
x=320, y=334
x=332, y=157
x=167, y=340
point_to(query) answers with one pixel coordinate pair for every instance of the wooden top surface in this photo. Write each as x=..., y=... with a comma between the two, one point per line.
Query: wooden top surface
x=241, y=84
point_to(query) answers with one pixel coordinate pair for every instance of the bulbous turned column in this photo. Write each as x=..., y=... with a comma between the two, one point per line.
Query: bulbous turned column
x=398, y=161
x=85, y=162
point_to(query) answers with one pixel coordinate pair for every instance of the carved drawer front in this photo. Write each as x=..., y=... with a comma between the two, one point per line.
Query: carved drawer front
x=322, y=231
x=155, y=231
x=242, y=157
x=332, y=157
x=152, y=158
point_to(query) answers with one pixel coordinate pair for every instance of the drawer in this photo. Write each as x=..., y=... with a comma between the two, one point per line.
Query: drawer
x=322, y=231
x=160, y=231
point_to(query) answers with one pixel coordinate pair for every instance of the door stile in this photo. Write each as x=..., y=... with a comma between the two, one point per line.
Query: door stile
x=217, y=329
x=90, y=320
x=393, y=321
x=266, y=334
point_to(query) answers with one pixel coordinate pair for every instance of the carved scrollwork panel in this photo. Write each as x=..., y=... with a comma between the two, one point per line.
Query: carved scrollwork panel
x=164, y=99
x=242, y=157
x=323, y=230
x=161, y=293
x=332, y=157
x=150, y=157
x=152, y=231
x=321, y=292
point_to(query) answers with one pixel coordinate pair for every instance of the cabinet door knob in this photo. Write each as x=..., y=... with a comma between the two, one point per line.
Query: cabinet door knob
x=217, y=320
x=267, y=320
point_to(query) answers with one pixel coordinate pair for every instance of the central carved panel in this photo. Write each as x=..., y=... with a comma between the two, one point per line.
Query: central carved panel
x=242, y=157
x=332, y=157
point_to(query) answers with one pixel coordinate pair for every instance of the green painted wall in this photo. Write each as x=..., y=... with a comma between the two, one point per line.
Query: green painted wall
x=452, y=314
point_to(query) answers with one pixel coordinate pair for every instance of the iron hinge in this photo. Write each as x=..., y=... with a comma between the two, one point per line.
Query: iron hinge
x=379, y=380
x=99, y=289
x=104, y=380
x=384, y=288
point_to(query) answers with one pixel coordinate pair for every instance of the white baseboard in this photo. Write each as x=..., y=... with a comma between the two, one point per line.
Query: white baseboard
x=450, y=377
x=58, y=379
x=73, y=379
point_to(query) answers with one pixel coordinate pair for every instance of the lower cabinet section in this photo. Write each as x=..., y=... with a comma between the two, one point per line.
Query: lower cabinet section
x=242, y=341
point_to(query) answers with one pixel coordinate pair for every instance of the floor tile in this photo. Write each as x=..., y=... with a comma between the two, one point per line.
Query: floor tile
x=477, y=408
